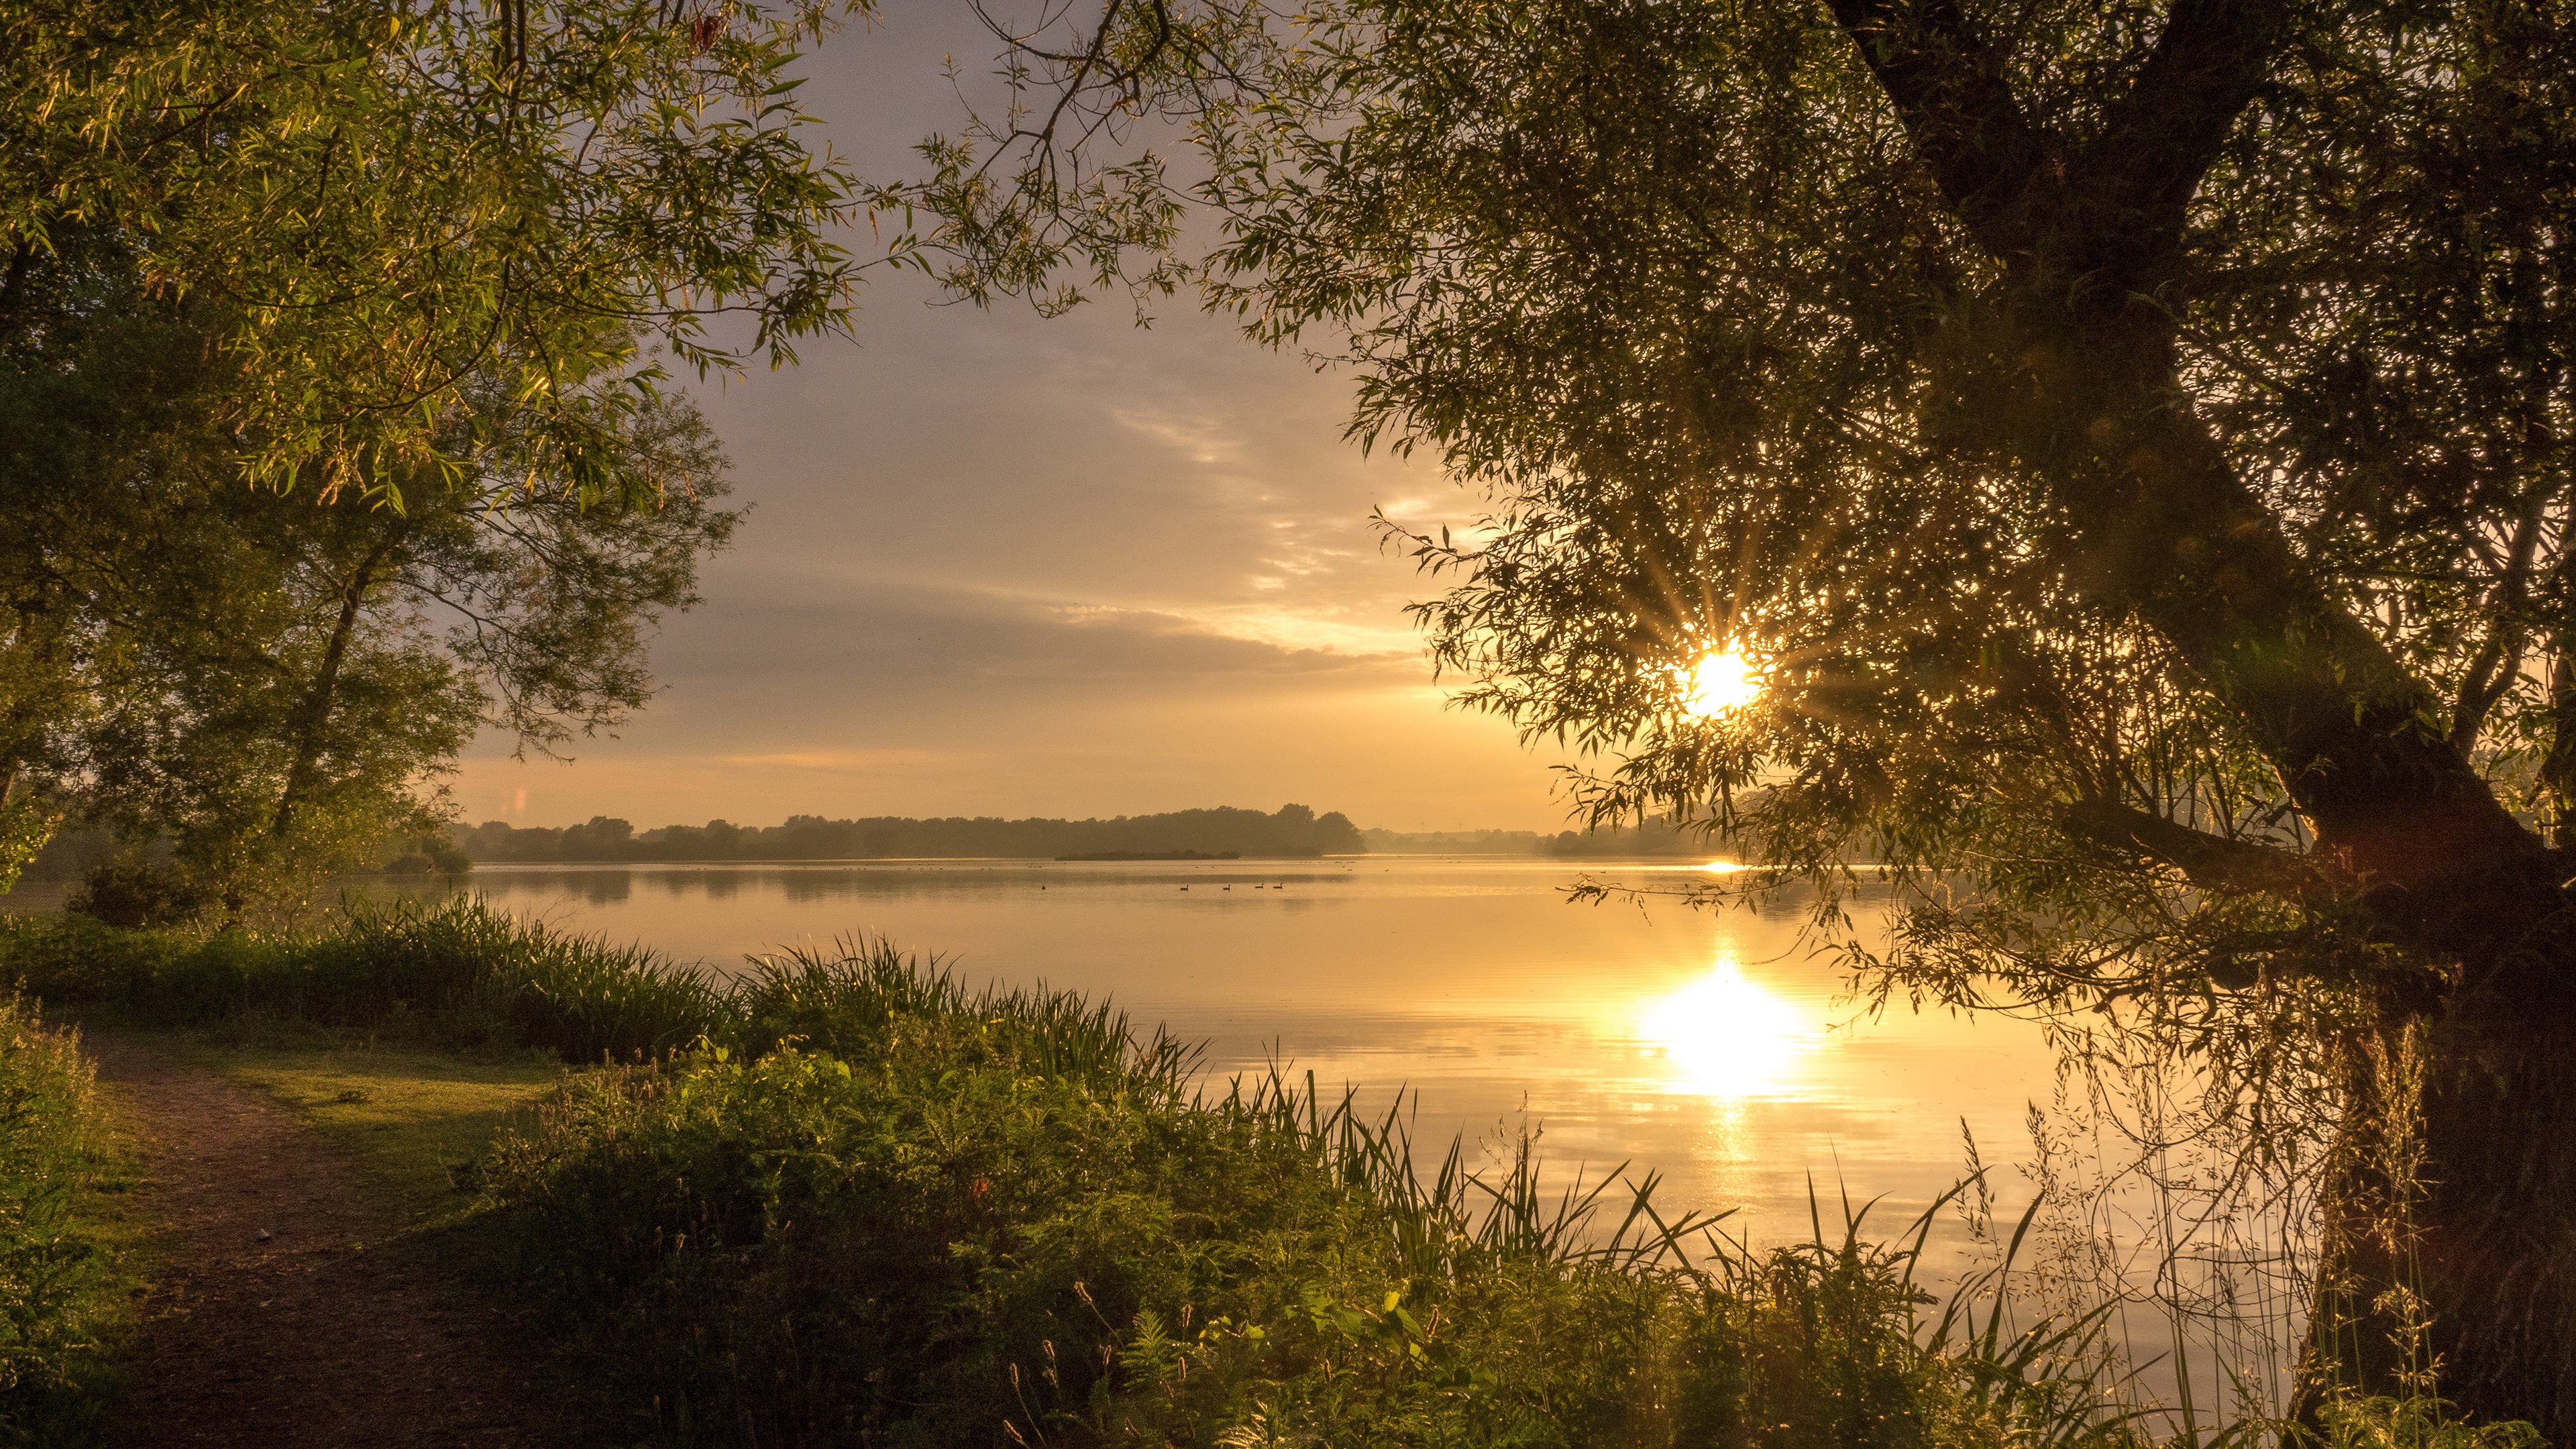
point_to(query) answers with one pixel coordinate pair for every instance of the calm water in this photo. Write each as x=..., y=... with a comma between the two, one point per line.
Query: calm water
x=1704, y=1045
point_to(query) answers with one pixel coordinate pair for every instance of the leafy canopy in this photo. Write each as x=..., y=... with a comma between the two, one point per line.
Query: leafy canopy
x=1697, y=301
x=2132, y=439
x=275, y=679
x=386, y=199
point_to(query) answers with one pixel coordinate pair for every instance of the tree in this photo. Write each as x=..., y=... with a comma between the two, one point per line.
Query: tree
x=411, y=238
x=2132, y=439
x=384, y=201
x=270, y=676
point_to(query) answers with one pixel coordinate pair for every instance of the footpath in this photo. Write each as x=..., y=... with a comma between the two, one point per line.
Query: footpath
x=285, y=1315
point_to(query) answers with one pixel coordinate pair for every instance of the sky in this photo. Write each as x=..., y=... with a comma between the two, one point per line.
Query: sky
x=1001, y=565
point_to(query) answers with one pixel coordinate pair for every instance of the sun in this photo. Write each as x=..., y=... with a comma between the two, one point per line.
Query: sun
x=1719, y=683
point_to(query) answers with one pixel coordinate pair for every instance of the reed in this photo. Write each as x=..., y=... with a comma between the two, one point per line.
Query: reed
x=851, y=999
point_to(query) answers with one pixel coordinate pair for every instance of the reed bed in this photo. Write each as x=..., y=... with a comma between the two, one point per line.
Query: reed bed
x=460, y=973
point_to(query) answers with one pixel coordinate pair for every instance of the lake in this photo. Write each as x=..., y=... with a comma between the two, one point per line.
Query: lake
x=1706, y=1045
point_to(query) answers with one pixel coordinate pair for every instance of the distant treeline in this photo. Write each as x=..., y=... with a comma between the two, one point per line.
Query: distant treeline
x=1455, y=842
x=1655, y=837
x=1293, y=831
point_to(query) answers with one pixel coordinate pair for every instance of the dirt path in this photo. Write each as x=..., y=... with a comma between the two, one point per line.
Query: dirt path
x=278, y=1321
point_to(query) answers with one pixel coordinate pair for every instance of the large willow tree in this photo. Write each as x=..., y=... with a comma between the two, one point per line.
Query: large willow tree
x=2134, y=437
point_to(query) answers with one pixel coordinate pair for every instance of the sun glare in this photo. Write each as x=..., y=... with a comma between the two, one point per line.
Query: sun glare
x=1725, y=1036
x=1721, y=682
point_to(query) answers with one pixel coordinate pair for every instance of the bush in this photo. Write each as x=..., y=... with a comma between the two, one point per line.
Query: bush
x=925, y=1216
x=58, y=1300
x=461, y=972
x=137, y=894
x=432, y=854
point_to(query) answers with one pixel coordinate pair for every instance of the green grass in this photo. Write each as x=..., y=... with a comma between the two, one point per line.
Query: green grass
x=66, y=1240
x=458, y=975
x=418, y=1120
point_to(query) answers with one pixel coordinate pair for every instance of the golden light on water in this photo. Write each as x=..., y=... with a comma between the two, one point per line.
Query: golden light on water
x=1721, y=682
x=1725, y=1036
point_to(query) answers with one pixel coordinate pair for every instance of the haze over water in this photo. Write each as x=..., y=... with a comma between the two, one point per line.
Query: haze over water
x=1707, y=1045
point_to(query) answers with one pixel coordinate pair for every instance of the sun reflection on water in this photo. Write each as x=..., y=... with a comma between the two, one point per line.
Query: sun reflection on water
x=1725, y=1036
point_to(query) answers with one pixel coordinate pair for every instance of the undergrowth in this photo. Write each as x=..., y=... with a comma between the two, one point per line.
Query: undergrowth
x=61, y=1304
x=461, y=974
x=890, y=1211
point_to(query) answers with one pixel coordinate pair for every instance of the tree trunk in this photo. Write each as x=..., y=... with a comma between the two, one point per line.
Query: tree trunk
x=2451, y=1253
x=2452, y=1239
x=2499, y=1216
x=2450, y=1256
x=2465, y=1117
x=313, y=712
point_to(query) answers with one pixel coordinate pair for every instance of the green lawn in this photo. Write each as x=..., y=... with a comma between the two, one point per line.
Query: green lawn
x=412, y=1115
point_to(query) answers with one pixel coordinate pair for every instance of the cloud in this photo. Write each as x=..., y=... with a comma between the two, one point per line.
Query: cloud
x=1010, y=565
x=831, y=639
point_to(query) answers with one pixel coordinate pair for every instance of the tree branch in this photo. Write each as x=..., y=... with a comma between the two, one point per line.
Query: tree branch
x=2161, y=138
x=2212, y=863
x=1956, y=106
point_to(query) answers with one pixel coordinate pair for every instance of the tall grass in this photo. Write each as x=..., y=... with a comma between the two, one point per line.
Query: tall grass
x=891, y=1210
x=58, y=1285
x=854, y=1000
x=460, y=972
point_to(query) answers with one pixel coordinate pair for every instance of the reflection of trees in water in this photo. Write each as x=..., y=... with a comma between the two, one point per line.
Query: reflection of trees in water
x=794, y=886
x=804, y=886
x=600, y=887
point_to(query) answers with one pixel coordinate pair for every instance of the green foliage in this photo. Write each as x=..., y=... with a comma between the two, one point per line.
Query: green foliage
x=275, y=678
x=25, y=826
x=461, y=973
x=431, y=854
x=895, y=1211
x=2130, y=439
x=1292, y=830
x=1686, y=290
x=138, y=893
x=2355, y=1421
x=382, y=203
x=60, y=1301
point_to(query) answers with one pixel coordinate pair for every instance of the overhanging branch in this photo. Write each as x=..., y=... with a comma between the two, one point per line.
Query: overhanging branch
x=2211, y=863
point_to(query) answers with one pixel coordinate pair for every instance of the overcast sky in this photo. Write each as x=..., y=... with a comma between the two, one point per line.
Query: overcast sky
x=997, y=565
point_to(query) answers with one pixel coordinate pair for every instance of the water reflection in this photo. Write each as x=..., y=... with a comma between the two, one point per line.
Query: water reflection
x=1726, y=1037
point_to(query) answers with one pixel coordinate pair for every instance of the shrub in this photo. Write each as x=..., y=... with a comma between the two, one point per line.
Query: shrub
x=138, y=894
x=57, y=1298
